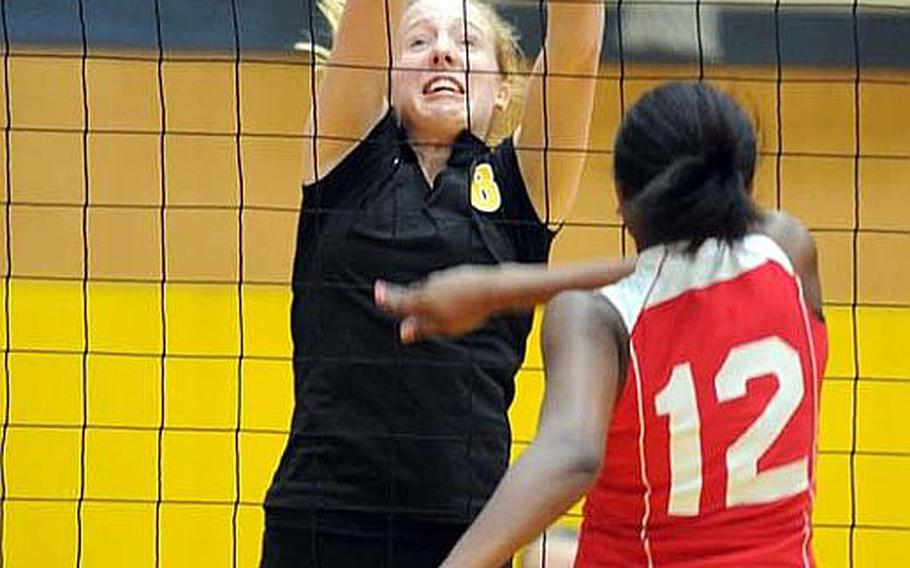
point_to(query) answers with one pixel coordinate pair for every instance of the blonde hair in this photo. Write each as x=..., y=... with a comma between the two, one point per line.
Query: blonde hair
x=508, y=50
x=332, y=10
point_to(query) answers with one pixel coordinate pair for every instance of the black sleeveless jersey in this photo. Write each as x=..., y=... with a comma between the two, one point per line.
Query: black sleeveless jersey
x=377, y=426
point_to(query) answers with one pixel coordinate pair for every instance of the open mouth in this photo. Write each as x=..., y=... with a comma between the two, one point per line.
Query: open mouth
x=438, y=85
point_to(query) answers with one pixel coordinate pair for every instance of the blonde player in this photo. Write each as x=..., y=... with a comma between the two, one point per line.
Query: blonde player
x=393, y=451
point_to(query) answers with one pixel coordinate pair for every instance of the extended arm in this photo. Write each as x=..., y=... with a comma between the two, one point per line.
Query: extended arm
x=460, y=299
x=581, y=351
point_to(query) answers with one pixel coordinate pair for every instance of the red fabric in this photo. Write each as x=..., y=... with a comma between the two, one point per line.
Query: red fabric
x=701, y=327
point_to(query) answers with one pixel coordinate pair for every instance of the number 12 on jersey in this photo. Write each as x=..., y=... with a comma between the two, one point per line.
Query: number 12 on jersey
x=745, y=484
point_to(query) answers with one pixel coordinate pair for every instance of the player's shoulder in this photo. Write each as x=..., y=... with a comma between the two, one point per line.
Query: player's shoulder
x=793, y=237
x=588, y=311
x=582, y=304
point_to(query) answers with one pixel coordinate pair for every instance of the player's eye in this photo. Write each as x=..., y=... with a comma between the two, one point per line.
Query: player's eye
x=470, y=41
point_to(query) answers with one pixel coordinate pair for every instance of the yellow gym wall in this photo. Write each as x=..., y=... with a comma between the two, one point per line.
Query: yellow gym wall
x=222, y=415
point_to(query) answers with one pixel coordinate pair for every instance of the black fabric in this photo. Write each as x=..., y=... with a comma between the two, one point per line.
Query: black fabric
x=356, y=540
x=419, y=430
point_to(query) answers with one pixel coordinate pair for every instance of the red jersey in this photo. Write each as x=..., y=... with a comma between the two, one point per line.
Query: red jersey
x=710, y=457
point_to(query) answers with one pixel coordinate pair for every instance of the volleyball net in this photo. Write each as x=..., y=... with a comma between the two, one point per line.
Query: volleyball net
x=153, y=156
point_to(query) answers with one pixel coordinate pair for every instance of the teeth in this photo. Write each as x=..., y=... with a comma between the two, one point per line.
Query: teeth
x=443, y=85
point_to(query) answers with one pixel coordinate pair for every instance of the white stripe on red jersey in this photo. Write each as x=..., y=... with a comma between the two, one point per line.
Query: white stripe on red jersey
x=710, y=458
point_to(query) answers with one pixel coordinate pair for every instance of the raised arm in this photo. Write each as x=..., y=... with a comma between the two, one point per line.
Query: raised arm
x=582, y=354
x=352, y=94
x=570, y=58
x=458, y=300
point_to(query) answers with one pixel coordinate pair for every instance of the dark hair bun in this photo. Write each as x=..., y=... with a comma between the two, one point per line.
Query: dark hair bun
x=684, y=161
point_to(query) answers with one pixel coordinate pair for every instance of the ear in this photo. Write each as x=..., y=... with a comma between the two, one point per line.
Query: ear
x=503, y=96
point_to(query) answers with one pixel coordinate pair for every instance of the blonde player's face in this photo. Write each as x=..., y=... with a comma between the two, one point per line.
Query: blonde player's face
x=430, y=88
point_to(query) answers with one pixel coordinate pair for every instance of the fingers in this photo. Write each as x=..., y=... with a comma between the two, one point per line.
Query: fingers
x=393, y=299
x=400, y=302
x=414, y=329
x=409, y=330
x=405, y=303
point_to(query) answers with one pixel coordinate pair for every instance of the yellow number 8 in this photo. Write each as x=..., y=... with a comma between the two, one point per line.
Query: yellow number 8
x=485, y=194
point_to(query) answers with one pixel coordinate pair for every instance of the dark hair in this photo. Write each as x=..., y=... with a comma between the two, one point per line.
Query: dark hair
x=684, y=160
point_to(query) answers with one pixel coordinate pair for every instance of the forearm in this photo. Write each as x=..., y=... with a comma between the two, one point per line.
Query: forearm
x=541, y=486
x=574, y=37
x=366, y=32
x=519, y=287
x=556, y=125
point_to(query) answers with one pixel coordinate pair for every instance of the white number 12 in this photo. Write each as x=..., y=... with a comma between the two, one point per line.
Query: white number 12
x=745, y=484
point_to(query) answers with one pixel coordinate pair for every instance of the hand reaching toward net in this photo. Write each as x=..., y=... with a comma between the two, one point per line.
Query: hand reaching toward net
x=459, y=300
x=451, y=302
